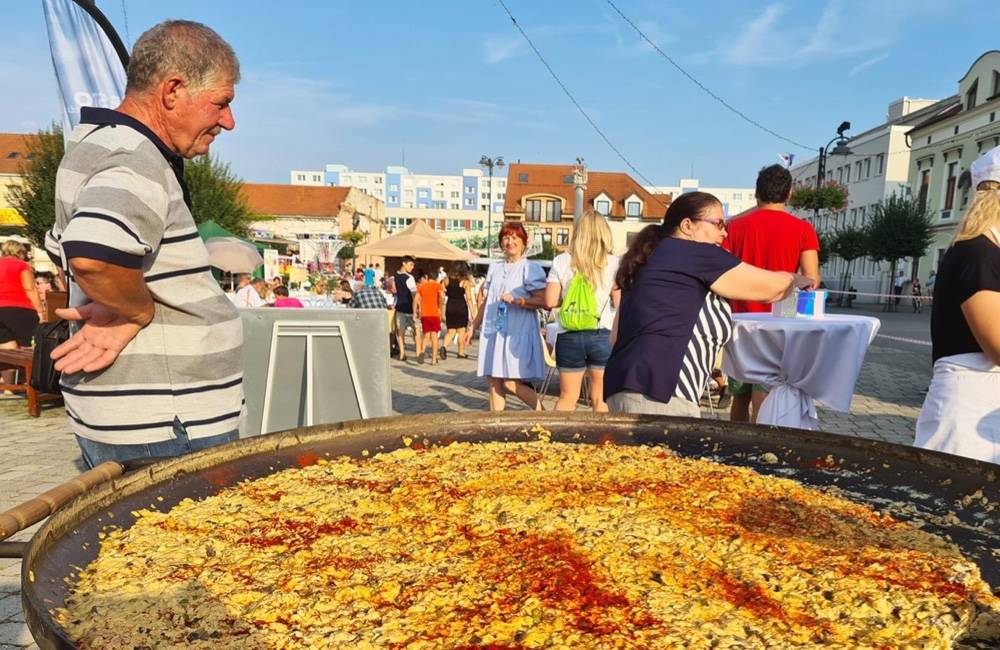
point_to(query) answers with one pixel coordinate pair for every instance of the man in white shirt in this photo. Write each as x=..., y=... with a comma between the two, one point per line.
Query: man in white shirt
x=898, y=286
x=252, y=295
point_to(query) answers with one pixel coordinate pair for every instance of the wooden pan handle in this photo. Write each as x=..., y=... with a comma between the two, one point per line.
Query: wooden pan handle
x=20, y=517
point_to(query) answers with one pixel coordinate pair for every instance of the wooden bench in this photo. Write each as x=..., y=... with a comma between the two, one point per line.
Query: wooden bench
x=21, y=359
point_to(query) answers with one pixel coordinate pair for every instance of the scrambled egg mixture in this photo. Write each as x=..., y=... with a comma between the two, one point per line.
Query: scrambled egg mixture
x=524, y=545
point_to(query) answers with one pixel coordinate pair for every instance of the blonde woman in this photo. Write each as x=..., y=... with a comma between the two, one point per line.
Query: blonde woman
x=961, y=413
x=585, y=350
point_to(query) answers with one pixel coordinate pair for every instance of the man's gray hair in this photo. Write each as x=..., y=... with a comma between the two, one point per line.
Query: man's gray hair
x=184, y=48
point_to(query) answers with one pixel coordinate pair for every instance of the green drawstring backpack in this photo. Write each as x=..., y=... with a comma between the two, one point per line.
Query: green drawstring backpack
x=579, y=308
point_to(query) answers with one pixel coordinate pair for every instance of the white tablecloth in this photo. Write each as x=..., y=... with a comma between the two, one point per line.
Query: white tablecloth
x=799, y=360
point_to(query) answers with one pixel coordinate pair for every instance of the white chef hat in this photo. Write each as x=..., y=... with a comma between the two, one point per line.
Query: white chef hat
x=986, y=168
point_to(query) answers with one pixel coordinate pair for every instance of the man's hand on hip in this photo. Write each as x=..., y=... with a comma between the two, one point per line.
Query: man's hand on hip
x=101, y=339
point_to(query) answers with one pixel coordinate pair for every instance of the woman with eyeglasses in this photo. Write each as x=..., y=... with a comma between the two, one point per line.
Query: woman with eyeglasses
x=674, y=318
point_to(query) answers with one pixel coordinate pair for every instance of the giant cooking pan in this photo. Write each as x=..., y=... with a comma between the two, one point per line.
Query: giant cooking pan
x=874, y=472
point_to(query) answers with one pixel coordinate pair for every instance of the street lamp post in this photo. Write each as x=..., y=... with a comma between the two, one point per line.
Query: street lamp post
x=490, y=163
x=840, y=150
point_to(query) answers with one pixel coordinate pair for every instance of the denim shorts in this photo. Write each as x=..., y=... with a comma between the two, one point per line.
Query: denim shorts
x=584, y=349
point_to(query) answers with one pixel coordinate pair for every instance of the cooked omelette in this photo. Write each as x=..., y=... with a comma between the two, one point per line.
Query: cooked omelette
x=524, y=545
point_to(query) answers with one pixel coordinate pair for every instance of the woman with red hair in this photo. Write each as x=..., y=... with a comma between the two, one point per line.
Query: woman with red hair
x=510, y=346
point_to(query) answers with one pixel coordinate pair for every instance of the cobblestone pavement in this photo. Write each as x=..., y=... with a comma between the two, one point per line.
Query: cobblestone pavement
x=38, y=453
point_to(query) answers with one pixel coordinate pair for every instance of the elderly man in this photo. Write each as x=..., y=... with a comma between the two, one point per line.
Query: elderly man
x=154, y=367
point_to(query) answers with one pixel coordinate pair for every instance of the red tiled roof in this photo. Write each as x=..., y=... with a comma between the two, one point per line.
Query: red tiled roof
x=294, y=200
x=552, y=180
x=14, y=151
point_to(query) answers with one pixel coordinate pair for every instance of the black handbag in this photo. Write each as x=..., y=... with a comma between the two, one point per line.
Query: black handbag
x=48, y=336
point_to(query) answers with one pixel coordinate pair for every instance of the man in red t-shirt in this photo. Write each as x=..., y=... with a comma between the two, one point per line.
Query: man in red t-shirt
x=772, y=239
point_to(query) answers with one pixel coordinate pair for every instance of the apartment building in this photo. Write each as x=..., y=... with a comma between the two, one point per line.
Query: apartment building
x=876, y=168
x=735, y=200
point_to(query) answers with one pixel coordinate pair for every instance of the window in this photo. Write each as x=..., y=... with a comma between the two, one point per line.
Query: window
x=970, y=95
x=346, y=179
x=840, y=174
x=857, y=171
x=847, y=174
x=423, y=194
x=604, y=207
x=470, y=202
x=438, y=194
x=455, y=195
x=562, y=237
x=378, y=192
x=484, y=195
x=633, y=208
x=568, y=180
x=317, y=178
x=868, y=167
x=455, y=206
x=996, y=85
x=500, y=195
x=393, y=199
x=378, y=180
x=522, y=178
x=470, y=189
x=394, y=188
x=301, y=177
x=861, y=215
x=949, y=190
x=879, y=164
x=925, y=181
x=553, y=211
x=533, y=210
x=501, y=184
x=854, y=216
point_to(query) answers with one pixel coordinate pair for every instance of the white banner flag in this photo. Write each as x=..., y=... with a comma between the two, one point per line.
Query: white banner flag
x=87, y=67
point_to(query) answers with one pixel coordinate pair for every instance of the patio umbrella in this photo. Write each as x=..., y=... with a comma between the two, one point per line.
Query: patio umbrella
x=232, y=254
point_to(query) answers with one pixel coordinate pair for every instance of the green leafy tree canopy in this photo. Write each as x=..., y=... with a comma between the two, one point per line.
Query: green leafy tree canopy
x=849, y=243
x=899, y=228
x=35, y=199
x=216, y=195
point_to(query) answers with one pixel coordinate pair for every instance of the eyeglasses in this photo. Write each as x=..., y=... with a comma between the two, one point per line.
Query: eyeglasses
x=718, y=223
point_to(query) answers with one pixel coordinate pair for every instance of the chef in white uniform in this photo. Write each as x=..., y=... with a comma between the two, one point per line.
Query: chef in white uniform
x=961, y=414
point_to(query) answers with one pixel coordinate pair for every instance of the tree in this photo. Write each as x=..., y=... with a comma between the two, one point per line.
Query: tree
x=899, y=228
x=353, y=238
x=825, y=243
x=216, y=195
x=35, y=199
x=848, y=244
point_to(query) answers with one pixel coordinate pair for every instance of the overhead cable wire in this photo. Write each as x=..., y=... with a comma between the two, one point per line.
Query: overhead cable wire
x=128, y=39
x=580, y=108
x=708, y=91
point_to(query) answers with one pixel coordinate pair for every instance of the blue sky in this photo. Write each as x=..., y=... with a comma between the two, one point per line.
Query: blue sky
x=449, y=80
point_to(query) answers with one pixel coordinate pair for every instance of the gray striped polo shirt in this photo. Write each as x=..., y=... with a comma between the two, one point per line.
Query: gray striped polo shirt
x=121, y=199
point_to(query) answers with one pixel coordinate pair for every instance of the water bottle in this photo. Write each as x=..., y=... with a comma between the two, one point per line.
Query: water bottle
x=501, y=322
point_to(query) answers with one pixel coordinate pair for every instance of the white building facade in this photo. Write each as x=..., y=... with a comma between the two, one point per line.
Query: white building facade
x=877, y=167
x=449, y=203
x=734, y=199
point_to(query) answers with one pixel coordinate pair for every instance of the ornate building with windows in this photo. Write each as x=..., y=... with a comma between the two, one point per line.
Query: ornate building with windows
x=946, y=143
x=542, y=197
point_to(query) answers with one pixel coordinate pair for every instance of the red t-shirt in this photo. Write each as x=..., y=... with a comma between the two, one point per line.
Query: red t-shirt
x=770, y=239
x=11, y=290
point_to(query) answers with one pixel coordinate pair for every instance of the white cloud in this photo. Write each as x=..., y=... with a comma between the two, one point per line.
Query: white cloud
x=499, y=49
x=867, y=64
x=774, y=39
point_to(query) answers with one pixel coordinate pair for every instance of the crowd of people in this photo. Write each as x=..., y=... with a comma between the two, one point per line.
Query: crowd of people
x=645, y=331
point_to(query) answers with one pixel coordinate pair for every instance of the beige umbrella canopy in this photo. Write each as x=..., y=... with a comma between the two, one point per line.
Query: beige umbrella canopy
x=418, y=240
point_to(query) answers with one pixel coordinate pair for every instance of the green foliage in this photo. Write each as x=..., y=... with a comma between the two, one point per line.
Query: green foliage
x=548, y=252
x=849, y=243
x=898, y=228
x=830, y=196
x=825, y=245
x=353, y=238
x=35, y=200
x=215, y=195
